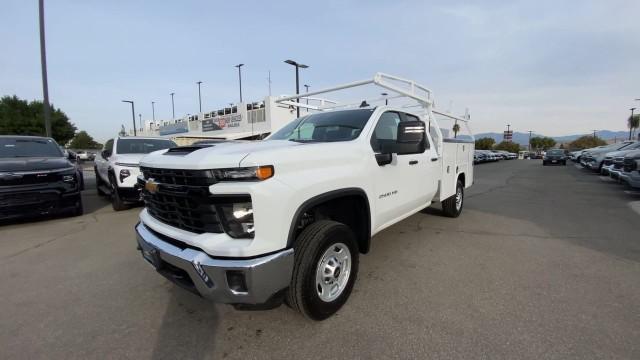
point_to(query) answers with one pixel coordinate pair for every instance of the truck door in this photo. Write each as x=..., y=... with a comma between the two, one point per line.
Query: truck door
x=427, y=170
x=102, y=162
x=396, y=185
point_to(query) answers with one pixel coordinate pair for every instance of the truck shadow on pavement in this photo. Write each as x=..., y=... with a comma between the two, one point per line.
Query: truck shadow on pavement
x=188, y=329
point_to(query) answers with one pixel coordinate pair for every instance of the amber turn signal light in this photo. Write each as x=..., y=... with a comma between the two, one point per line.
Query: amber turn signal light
x=264, y=172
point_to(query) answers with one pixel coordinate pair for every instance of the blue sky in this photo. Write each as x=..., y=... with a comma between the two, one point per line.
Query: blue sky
x=553, y=67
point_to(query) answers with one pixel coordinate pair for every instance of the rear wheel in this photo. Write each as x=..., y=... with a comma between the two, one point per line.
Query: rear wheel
x=452, y=207
x=325, y=269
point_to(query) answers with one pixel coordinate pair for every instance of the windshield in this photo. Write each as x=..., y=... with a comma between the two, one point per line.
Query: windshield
x=555, y=152
x=325, y=127
x=143, y=146
x=28, y=147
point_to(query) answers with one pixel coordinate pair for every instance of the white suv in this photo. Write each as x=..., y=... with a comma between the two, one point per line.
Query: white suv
x=116, y=167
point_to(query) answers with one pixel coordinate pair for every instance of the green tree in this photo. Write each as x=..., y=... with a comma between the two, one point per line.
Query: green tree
x=82, y=140
x=586, y=142
x=20, y=117
x=485, y=143
x=508, y=146
x=542, y=143
x=633, y=122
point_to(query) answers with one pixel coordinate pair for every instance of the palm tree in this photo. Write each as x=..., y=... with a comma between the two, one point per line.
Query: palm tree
x=456, y=129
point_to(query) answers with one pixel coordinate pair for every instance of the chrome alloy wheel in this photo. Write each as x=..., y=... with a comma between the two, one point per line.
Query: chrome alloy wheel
x=458, y=199
x=332, y=272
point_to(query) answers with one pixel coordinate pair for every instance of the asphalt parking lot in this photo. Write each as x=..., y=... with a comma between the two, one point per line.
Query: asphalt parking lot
x=543, y=263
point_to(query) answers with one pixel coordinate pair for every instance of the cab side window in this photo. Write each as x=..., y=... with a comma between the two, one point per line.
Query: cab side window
x=386, y=130
x=108, y=147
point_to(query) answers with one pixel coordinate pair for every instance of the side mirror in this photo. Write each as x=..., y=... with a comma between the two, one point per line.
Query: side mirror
x=105, y=154
x=411, y=137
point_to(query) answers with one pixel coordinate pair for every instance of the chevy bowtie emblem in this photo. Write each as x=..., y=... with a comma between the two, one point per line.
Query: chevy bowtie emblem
x=151, y=186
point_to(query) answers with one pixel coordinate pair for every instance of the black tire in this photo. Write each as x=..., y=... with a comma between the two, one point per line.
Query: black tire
x=564, y=163
x=79, y=209
x=116, y=201
x=450, y=206
x=310, y=246
x=544, y=163
x=99, y=183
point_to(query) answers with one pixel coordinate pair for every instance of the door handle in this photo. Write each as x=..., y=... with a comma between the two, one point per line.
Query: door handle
x=413, y=162
x=434, y=159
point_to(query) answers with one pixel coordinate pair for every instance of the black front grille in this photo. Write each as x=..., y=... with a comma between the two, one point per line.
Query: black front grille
x=618, y=163
x=630, y=165
x=180, y=177
x=608, y=161
x=182, y=199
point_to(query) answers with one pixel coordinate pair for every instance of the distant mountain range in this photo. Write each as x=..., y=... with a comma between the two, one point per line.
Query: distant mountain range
x=523, y=138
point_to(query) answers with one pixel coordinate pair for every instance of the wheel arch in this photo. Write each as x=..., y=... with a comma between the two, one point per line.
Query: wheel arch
x=360, y=222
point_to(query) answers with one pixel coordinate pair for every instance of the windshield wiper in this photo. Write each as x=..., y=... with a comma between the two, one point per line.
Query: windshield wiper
x=305, y=141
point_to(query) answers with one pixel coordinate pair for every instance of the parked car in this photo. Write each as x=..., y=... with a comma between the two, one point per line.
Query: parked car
x=117, y=167
x=613, y=161
x=631, y=169
x=554, y=156
x=594, y=159
x=82, y=155
x=36, y=178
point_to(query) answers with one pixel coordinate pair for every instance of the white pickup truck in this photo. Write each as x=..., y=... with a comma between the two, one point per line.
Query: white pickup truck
x=253, y=224
x=116, y=167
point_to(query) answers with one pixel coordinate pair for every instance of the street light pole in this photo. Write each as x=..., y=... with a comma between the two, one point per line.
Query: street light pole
x=240, y=78
x=173, y=108
x=140, y=117
x=199, y=95
x=298, y=66
x=529, y=149
x=43, y=63
x=594, y=133
x=630, y=128
x=133, y=115
x=153, y=111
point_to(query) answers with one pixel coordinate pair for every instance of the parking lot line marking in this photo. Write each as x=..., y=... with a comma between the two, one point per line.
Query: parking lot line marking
x=606, y=178
x=632, y=192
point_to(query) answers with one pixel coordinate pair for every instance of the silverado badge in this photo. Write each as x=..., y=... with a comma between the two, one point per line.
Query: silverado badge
x=151, y=186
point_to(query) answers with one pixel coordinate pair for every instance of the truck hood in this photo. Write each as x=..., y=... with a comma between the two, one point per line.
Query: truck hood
x=633, y=154
x=128, y=158
x=619, y=153
x=33, y=164
x=224, y=155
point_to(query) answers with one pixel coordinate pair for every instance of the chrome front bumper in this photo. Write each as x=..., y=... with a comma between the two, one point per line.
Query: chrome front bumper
x=229, y=281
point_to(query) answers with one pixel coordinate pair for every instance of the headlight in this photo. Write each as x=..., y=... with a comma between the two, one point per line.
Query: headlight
x=244, y=173
x=124, y=173
x=71, y=178
x=237, y=217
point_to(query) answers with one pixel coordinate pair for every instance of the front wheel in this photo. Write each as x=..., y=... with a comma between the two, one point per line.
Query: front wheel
x=452, y=207
x=325, y=269
x=116, y=200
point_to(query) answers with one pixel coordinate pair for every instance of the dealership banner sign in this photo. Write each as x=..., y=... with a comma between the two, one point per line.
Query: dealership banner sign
x=222, y=122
